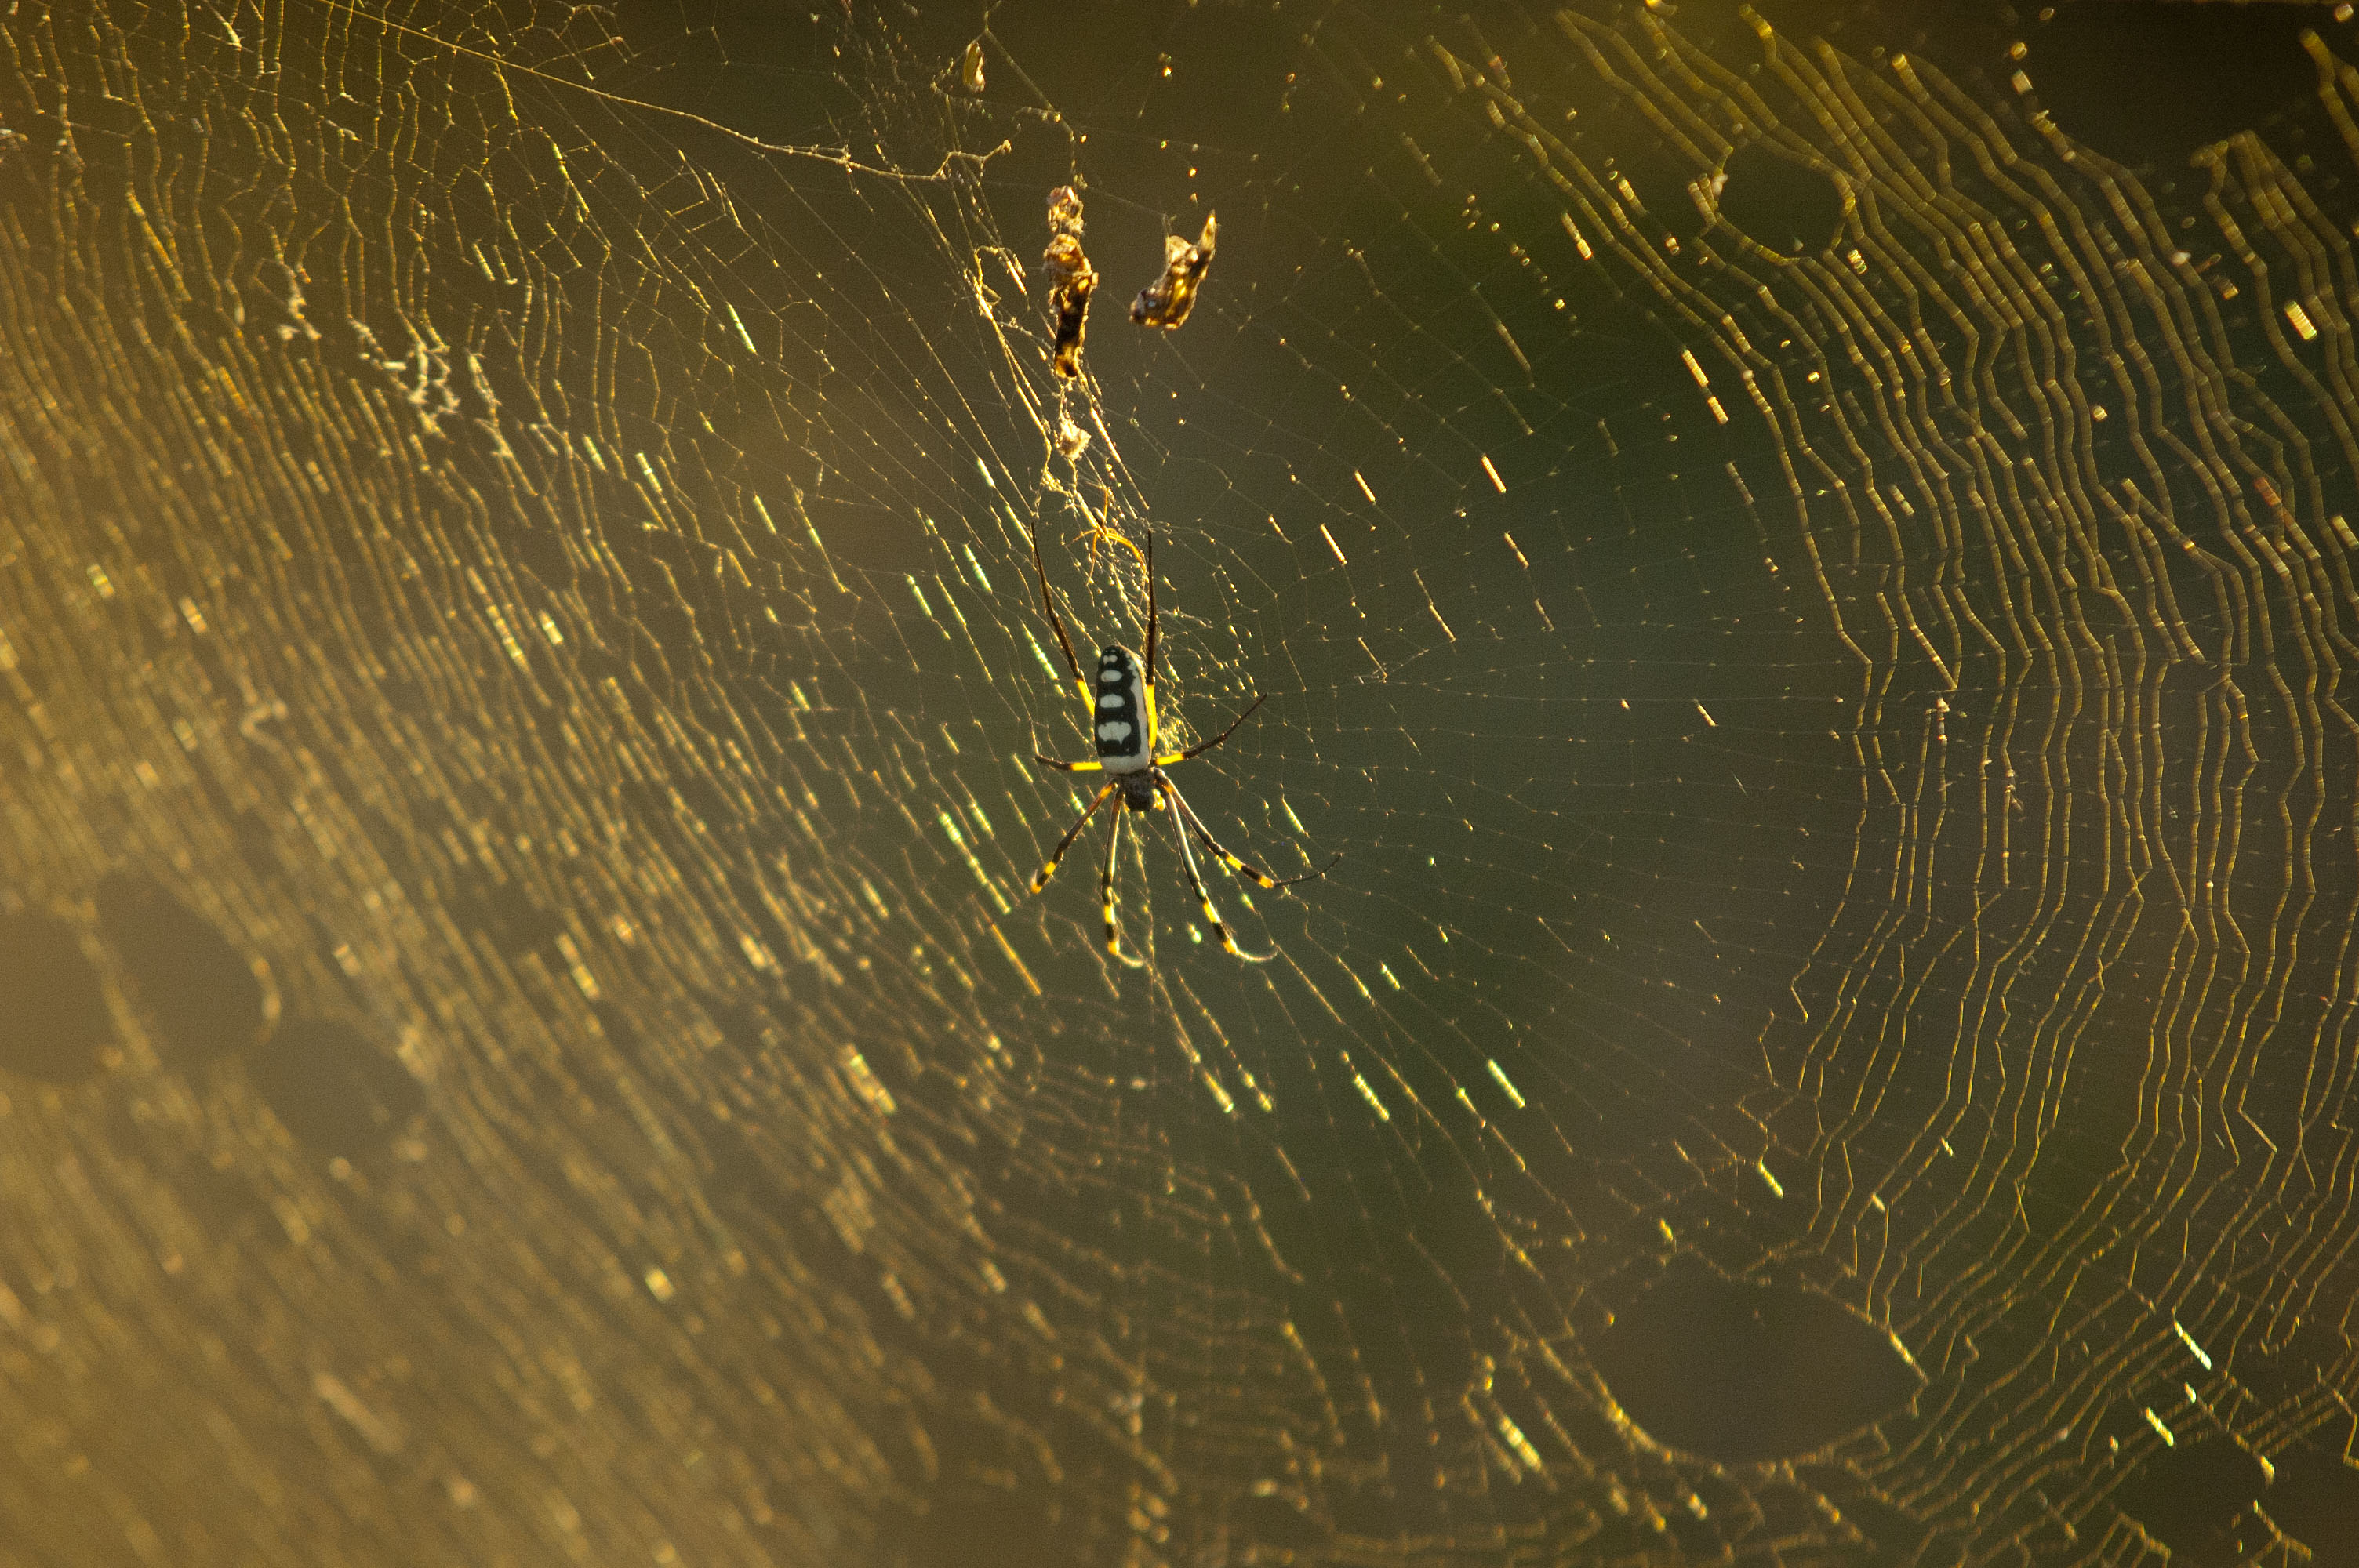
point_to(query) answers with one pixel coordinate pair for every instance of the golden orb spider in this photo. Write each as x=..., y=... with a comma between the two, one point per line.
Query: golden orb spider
x=1122, y=716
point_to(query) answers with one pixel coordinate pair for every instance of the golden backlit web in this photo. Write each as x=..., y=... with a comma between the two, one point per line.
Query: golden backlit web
x=1814, y=606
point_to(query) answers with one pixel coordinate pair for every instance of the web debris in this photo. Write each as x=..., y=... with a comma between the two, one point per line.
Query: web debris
x=1167, y=301
x=1071, y=280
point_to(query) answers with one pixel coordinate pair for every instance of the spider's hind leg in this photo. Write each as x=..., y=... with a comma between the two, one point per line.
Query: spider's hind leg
x=1105, y=889
x=1244, y=868
x=1182, y=819
x=1056, y=856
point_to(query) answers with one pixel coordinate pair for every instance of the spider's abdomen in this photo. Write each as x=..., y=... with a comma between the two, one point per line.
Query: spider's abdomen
x=1120, y=715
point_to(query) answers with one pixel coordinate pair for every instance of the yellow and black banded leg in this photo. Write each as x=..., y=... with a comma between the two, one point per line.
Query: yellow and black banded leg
x=1201, y=747
x=1105, y=892
x=1196, y=882
x=1049, y=868
x=1241, y=867
x=1056, y=621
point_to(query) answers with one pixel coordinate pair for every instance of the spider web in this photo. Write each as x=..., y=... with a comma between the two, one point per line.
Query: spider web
x=1813, y=606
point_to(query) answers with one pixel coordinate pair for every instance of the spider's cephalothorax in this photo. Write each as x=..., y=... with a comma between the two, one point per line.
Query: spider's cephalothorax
x=1122, y=717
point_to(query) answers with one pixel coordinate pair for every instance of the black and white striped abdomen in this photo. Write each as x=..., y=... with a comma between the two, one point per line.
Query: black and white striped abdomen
x=1121, y=713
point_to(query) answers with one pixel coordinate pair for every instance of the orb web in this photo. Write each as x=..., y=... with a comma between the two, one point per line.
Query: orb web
x=1812, y=604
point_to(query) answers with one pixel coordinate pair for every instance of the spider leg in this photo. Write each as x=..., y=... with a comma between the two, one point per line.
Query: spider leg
x=1105, y=888
x=1049, y=868
x=1154, y=628
x=1201, y=747
x=1056, y=621
x=1068, y=767
x=1196, y=882
x=1154, y=620
x=1244, y=868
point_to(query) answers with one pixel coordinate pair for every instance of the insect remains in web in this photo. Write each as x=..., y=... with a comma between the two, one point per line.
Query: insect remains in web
x=1166, y=302
x=1120, y=695
x=1071, y=279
